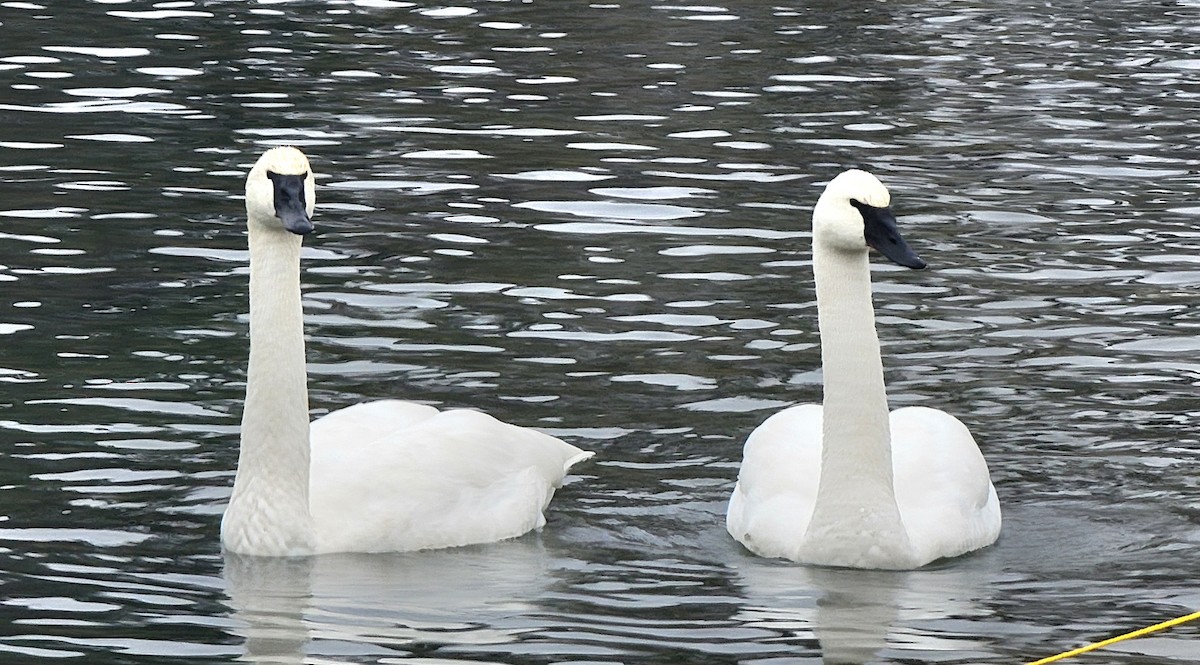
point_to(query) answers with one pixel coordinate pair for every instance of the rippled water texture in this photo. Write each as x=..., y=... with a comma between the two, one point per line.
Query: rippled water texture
x=593, y=219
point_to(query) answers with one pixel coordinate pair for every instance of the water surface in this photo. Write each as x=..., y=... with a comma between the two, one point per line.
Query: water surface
x=592, y=218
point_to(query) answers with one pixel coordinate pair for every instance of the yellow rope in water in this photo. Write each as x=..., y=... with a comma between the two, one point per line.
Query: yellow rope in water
x=1119, y=638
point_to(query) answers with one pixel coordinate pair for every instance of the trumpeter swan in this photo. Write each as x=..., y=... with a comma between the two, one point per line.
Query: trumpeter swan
x=844, y=483
x=382, y=476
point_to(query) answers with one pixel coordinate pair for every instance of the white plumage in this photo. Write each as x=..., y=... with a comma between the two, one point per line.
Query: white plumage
x=382, y=476
x=845, y=483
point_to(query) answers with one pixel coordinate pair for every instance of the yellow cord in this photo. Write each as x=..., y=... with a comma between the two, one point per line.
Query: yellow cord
x=1119, y=638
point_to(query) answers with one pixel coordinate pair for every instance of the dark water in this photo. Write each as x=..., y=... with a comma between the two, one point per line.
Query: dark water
x=592, y=219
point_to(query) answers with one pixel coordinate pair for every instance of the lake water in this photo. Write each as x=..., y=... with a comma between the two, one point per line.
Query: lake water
x=592, y=218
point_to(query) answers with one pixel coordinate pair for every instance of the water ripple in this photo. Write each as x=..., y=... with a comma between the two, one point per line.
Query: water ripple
x=595, y=221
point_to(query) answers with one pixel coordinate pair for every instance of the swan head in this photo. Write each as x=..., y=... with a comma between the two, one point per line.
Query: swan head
x=854, y=214
x=281, y=191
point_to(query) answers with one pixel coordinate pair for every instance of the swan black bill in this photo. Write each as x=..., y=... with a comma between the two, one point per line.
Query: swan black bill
x=290, y=206
x=880, y=232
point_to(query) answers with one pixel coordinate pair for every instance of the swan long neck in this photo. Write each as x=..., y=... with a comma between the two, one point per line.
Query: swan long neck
x=271, y=489
x=856, y=484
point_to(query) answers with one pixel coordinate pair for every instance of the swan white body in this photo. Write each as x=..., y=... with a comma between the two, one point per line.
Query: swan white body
x=845, y=483
x=383, y=476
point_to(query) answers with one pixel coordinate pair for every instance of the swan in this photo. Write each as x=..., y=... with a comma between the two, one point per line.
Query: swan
x=845, y=483
x=381, y=476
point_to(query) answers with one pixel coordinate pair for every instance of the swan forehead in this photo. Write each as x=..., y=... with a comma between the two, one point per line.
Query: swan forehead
x=284, y=160
x=862, y=187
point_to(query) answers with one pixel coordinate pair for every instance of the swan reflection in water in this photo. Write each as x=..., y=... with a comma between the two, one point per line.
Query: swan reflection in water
x=289, y=609
x=863, y=616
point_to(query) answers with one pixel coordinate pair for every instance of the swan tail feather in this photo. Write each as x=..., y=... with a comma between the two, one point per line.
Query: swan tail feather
x=581, y=456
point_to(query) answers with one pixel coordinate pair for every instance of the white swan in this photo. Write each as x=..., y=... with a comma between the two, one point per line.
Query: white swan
x=381, y=476
x=842, y=483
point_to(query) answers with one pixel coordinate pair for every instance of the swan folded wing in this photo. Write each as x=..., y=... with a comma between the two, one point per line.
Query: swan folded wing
x=943, y=488
x=368, y=421
x=773, y=501
x=453, y=478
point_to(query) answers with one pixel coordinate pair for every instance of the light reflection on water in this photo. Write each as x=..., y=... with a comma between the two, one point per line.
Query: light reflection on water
x=593, y=220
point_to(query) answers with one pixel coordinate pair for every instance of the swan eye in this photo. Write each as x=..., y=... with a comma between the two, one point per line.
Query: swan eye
x=291, y=183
